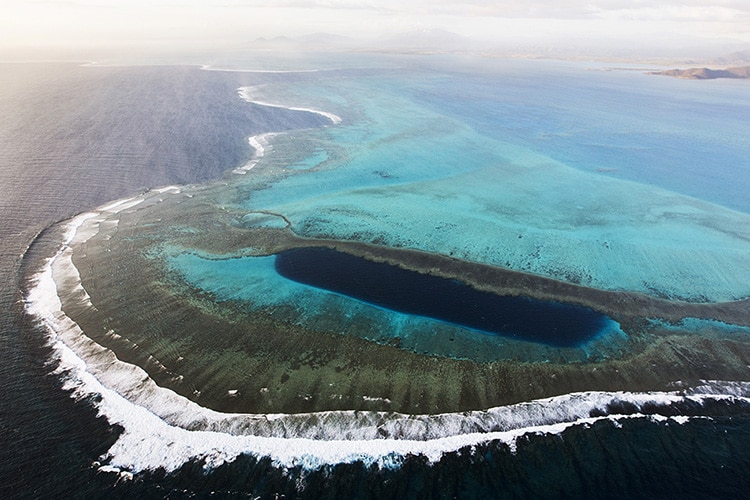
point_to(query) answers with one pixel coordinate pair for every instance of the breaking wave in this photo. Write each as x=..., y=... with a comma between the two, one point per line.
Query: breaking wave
x=162, y=429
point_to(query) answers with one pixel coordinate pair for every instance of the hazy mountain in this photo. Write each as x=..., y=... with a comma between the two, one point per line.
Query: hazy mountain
x=706, y=73
x=740, y=57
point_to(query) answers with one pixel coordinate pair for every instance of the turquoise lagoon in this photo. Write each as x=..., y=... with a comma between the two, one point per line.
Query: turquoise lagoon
x=614, y=180
x=615, y=192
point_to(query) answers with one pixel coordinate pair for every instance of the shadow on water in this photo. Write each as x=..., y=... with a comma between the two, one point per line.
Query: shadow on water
x=410, y=292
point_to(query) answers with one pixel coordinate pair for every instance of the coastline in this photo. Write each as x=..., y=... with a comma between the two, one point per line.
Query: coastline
x=245, y=93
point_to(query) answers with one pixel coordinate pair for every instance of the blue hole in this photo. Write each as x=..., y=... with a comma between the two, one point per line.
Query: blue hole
x=391, y=287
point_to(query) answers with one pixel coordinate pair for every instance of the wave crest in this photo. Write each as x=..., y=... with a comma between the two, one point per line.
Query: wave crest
x=162, y=429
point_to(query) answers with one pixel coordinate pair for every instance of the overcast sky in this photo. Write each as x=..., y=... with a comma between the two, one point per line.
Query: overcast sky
x=139, y=22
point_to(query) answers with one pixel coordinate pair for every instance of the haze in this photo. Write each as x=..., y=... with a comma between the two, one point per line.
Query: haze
x=563, y=24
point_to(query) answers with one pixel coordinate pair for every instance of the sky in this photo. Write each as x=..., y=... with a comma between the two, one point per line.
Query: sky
x=59, y=23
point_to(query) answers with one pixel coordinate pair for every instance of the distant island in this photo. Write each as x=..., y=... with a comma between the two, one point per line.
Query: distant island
x=742, y=72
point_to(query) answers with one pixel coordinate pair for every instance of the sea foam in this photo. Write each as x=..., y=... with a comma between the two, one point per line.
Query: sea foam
x=162, y=429
x=249, y=94
x=259, y=143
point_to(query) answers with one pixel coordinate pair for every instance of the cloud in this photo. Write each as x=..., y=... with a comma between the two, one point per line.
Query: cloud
x=95, y=21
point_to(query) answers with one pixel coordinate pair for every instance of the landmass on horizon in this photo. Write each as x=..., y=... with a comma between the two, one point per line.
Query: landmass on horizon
x=742, y=73
x=427, y=41
x=417, y=42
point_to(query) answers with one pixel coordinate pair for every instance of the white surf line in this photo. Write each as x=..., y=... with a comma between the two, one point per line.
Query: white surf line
x=245, y=94
x=260, y=143
x=207, y=67
x=147, y=444
x=155, y=420
x=124, y=204
x=167, y=189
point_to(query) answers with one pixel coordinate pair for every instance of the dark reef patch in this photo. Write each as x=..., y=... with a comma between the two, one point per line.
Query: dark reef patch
x=180, y=335
x=450, y=300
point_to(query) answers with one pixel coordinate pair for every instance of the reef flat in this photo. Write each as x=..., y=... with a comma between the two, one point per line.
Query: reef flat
x=302, y=296
x=741, y=72
x=232, y=356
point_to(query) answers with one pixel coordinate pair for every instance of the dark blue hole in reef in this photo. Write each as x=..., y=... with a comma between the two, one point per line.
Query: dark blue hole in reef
x=391, y=287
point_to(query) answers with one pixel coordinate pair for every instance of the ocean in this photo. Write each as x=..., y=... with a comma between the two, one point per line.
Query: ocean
x=588, y=186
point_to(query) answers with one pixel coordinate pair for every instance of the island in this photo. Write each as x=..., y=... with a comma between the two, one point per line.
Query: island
x=741, y=72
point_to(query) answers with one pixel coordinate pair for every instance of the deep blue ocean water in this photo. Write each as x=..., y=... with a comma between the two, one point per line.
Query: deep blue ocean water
x=73, y=138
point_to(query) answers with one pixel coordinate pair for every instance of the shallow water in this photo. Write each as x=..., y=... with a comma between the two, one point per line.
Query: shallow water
x=72, y=138
x=444, y=163
x=206, y=314
x=409, y=292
